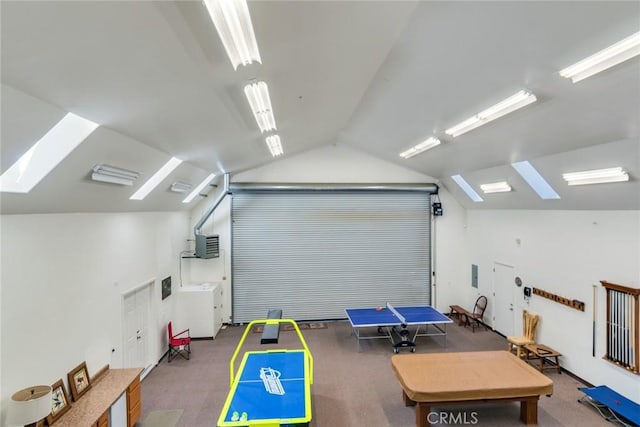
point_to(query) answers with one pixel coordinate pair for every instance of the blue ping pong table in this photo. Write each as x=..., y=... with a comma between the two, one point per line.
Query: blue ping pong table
x=271, y=388
x=393, y=321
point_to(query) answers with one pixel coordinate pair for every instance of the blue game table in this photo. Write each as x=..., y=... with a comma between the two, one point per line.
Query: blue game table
x=271, y=388
x=390, y=321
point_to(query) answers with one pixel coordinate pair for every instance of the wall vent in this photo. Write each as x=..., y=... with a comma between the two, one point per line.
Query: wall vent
x=207, y=246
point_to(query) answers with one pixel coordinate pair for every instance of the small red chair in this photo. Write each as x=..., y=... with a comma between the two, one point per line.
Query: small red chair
x=179, y=344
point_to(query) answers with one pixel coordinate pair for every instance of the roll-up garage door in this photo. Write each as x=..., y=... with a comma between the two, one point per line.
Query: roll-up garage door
x=313, y=254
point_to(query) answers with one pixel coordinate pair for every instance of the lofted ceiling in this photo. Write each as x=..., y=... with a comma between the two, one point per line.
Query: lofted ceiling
x=377, y=76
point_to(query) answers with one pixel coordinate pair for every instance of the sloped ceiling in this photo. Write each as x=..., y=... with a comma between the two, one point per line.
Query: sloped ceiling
x=372, y=75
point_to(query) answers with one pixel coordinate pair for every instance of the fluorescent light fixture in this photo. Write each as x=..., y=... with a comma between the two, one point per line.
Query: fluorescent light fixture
x=462, y=183
x=419, y=148
x=275, y=147
x=198, y=189
x=535, y=180
x=597, y=176
x=233, y=22
x=498, y=110
x=606, y=58
x=496, y=187
x=156, y=179
x=260, y=103
x=113, y=175
x=181, y=187
x=46, y=154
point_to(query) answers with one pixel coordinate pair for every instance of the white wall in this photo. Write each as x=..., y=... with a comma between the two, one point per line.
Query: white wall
x=63, y=276
x=329, y=164
x=565, y=253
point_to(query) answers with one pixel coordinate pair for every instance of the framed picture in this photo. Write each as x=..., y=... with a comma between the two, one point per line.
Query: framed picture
x=166, y=287
x=79, y=381
x=60, y=402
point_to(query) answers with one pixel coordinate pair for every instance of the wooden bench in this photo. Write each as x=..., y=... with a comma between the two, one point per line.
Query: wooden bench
x=458, y=312
x=271, y=333
x=544, y=354
x=468, y=318
x=471, y=318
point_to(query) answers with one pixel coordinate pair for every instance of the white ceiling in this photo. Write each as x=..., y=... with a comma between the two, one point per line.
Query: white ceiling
x=374, y=75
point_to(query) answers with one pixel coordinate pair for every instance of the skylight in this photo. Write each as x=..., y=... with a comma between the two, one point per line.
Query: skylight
x=464, y=185
x=156, y=179
x=535, y=180
x=198, y=189
x=46, y=154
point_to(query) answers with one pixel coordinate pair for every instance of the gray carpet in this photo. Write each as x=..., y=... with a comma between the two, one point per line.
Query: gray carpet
x=162, y=418
x=351, y=388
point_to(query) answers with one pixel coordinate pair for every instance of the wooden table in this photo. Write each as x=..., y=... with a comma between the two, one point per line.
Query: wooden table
x=544, y=354
x=434, y=379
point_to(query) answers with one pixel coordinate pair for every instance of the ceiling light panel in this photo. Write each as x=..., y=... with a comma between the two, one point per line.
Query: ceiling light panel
x=113, y=175
x=495, y=187
x=196, y=191
x=156, y=179
x=260, y=103
x=508, y=105
x=233, y=23
x=181, y=187
x=46, y=154
x=535, y=180
x=597, y=176
x=464, y=185
x=275, y=147
x=606, y=58
x=419, y=148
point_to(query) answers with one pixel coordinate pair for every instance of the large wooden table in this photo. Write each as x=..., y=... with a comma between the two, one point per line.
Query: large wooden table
x=434, y=379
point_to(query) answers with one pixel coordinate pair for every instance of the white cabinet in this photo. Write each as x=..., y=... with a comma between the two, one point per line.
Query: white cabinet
x=199, y=308
x=118, y=412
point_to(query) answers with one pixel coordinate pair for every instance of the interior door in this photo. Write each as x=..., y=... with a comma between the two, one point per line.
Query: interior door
x=136, y=313
x=504, y=299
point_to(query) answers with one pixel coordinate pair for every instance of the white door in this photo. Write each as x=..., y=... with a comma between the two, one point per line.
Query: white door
x=503, y=298
x=136, y=321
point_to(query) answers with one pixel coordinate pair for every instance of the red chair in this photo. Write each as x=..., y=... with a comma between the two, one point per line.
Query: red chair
x=179, y=344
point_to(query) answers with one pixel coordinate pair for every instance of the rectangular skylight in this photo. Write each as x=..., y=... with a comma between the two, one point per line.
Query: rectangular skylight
x=419, y=148
x=198, y=189
x=46, y=154
x=604, y=59
x=496, y=111
x=464, y=185
x=535, y=180
x=156, y=179
x=598, y=176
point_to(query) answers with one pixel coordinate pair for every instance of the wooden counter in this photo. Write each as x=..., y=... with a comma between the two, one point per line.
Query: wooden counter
x=92, y=406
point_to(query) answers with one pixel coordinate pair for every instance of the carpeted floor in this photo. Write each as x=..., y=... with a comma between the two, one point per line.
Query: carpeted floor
x=168, y=418
x=351, y=388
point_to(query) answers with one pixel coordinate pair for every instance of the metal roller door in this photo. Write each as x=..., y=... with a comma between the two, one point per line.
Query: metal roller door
x=313, y=254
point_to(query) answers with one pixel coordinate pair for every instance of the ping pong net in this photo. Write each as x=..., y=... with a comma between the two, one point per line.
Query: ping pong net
x=397, y=314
